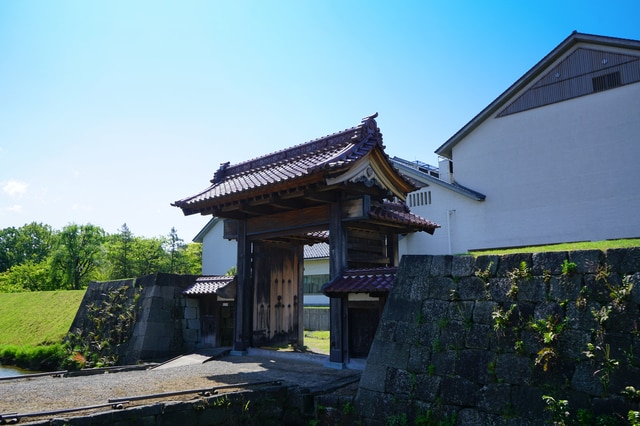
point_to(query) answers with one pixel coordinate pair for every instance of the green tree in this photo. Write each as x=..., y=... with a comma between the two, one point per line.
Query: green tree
x=29, y=243
x=121, y=253
x=78, y=254
x=174, y=247
x=149, y=256
x=28, y=276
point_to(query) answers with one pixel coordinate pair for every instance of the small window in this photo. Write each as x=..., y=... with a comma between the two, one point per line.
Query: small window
x=419, y=199
x=607, y=81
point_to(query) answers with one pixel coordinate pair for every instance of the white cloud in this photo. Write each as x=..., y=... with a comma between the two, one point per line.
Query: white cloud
x=16, y=208
x=82, y=207
x=15, y=188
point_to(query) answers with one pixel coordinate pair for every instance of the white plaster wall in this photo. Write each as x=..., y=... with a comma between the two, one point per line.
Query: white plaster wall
x=218, y=254
x=316, y=266
x=569, y=171
x=455, y=213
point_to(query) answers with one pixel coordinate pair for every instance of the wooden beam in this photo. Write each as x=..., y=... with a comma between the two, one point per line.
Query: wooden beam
x=289, y=222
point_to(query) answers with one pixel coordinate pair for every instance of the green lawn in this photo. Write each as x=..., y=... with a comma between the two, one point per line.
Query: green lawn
x=317, y=341
x=586, y=245
x=36, y=318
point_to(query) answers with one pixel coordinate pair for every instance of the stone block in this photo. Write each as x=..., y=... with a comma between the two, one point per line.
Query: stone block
x=498, y=289
x=193, y=324
x=487, y=263
x=478, y=336
x=587, y=261
x=532, y=290
x=471, y=288
x=461, y=311
x=374, y=377
x=624, y=261
x=548, y=262
x=458, y=391
x=441, y=266
x=482, y=312
x=191, y=335
x=513, y=368
x=441, y=288
x=495, y=398
x=462, y=266
x=473, y=365
x=511, y=262
x=565, y=287
x=190, y=313
x=402, y=310
x=419, y=359
x=426, y=387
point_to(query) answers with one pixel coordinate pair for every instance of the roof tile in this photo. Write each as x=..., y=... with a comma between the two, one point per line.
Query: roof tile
x=370, y=280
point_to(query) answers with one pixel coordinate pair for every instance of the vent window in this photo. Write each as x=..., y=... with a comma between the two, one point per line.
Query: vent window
x=606, y=82
x=419, y=199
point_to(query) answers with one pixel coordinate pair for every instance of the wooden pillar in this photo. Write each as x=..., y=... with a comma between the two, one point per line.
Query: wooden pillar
x=244, y=294
x=300, y=296
x=338, y=355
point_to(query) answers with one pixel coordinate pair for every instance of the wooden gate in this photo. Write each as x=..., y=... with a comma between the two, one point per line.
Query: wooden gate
x=277, y=283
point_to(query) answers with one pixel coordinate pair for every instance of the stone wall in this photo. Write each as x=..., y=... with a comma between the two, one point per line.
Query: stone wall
x=146, y=318
x=482, y=340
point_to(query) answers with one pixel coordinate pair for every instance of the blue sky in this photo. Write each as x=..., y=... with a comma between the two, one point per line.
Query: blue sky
x=112, y=110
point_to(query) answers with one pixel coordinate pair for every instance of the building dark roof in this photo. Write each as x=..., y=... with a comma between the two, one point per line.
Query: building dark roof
x=297, y=167
x=221, y=285
x=370, y=280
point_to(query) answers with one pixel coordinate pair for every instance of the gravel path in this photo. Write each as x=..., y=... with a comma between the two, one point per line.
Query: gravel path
x=52, y=393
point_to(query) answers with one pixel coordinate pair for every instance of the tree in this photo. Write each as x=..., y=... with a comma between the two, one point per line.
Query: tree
x=29, y=243
x=121, y=253
x=173, y=246
x=78, y=254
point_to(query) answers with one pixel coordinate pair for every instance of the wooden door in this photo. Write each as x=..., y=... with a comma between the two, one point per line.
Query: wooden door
x=277, y=294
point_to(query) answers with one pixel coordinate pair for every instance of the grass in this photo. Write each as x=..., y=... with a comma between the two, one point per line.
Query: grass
x=317, y=341
x=37, y=318
x=585, y=245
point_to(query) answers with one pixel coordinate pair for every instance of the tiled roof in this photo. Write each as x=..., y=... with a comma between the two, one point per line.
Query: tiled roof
x=316, y=251
x=400, y=214
x=330, y=153
x=222, y=285
x=371, y=280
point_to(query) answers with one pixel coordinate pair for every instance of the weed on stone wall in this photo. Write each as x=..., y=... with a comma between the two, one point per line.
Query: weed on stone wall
x=110, y=324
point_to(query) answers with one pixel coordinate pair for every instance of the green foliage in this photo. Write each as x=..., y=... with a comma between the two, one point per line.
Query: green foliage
x=559, y=409
x=501, y=318
x=37, y=358
x=112, y=320
x=568, y=268
x=397, y=420
x=29, y=243
x=548, y=330
x=36, y=258
x=77, y=254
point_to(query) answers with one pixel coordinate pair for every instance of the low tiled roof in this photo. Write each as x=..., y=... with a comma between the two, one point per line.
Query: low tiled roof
x=316, y=251
x=370, y=280
x=222, y=285
x=399, y=213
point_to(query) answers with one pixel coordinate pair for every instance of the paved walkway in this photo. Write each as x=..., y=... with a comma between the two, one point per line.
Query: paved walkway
x=32, y=395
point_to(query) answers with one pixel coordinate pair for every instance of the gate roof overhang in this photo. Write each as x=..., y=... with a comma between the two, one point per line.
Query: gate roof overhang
x=289, y=192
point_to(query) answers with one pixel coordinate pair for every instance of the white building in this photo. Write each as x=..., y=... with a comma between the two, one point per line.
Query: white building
x=555, y=158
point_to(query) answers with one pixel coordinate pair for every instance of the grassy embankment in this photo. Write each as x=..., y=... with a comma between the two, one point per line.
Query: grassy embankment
x=32, y=326
x=586, y=245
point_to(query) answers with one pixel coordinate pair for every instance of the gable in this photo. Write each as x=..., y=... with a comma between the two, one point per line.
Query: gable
x=582, y=72
x=621, y=55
